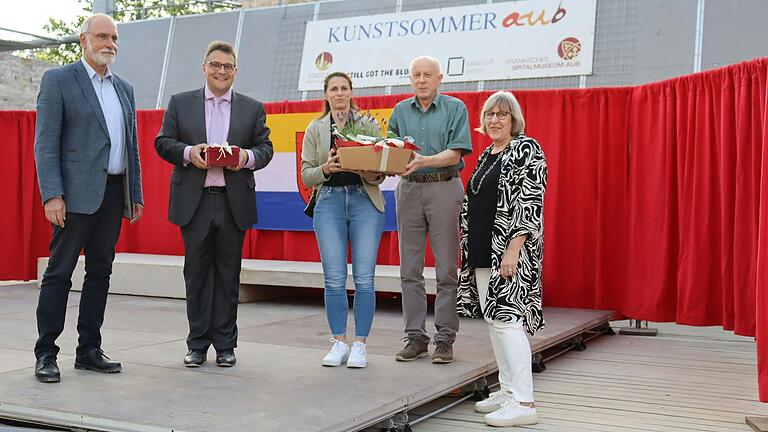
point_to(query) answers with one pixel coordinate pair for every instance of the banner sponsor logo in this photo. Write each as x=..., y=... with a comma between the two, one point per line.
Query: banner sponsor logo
x=324, y=60
x=569, y=48
x=521, y=19
x=521, y=39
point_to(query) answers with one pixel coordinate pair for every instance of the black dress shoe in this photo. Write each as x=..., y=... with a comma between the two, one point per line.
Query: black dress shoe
x=46, y=369
x=195, y=358
x=226, y=358
x=96, y=360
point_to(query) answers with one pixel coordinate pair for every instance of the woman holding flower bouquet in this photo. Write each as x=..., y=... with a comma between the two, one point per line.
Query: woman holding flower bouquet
x=349, y=209
x=501, y=254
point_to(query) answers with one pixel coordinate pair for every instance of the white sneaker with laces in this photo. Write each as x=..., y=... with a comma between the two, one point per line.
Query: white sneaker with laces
x=339, y=353
x=493, y=401
x=358, y=357
x=512, y=413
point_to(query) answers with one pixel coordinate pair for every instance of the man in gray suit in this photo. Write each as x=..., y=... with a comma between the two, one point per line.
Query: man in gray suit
x=90, y=177
x=213, y=206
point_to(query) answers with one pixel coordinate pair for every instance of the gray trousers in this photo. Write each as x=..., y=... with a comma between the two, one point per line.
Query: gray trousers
x=429, y=209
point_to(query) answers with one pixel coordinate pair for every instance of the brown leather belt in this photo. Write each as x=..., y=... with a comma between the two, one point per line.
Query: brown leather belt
x=114, y=178
x=432, y=177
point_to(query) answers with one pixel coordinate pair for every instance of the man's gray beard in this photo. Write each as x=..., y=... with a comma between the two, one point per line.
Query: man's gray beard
x=102, y=59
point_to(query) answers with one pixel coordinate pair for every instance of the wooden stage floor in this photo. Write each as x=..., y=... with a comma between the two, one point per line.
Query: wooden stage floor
x=277, y=384
x=686, y=379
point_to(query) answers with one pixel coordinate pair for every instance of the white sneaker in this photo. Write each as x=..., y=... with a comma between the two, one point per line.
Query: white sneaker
x=512, y=413
x=493, y=401
x=358, y=358
x=339, y=353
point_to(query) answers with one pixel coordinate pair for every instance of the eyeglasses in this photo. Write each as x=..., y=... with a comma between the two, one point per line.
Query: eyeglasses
x=103, y=37
x=215, y=66
x=501, y=115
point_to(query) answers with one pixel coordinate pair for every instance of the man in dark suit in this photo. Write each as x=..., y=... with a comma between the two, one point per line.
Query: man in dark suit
x=90, y=177
x=213, y=206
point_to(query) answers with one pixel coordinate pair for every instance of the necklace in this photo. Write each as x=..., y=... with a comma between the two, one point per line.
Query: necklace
x=476, y=188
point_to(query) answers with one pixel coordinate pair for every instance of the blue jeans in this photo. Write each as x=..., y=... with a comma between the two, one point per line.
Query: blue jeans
x=345, y=214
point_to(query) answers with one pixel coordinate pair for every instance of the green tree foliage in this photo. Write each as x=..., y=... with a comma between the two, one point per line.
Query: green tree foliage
x=125, y=10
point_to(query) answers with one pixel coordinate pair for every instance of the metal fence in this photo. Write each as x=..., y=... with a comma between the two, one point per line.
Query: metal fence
x=636, y=41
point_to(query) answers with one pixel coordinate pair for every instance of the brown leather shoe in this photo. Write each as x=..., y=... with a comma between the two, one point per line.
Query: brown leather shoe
x=414, y=349
x=443, y=353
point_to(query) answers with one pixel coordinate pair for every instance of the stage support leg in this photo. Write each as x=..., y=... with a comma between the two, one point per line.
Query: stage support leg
x=577, y=344
x=398, y=423
x=636, y=328
x=481, y=390
x=606, y=329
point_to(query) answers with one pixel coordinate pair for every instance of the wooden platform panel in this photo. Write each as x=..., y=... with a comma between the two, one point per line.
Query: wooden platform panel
x=277, y=384
x=758, y=424
x=685, y=379
x=162, y=275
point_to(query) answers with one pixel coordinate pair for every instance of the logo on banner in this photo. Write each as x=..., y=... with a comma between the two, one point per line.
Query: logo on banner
x=527, y=18
x=569, y=48
x=323, y=60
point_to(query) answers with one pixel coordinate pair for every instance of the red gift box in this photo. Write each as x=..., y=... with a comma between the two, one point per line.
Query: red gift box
x=222, y=156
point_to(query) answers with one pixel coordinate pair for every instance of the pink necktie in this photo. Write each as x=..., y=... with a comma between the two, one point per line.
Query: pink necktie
x=215, y=176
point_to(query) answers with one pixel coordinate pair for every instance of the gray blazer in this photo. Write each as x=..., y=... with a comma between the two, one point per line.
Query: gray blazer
x=72, y=141
x=183, y=125
x=314, y=153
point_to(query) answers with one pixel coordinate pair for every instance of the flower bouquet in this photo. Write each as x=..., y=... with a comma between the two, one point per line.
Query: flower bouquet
x=222, y=155
x=361, y=146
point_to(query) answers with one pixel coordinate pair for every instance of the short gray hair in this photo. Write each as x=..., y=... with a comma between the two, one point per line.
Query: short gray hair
x=506, y=101
x=87, y=23
x=431, y=59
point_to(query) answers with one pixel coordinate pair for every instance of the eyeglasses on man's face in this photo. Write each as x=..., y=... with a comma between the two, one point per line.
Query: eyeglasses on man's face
x=104, y=37
x=501, y=115
x=216, y=66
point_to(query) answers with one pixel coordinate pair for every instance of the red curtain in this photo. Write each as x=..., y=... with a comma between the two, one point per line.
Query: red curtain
x=657, y=204
x=762, y=261
x=584, y=137
x=694, y=198
x=23, y=231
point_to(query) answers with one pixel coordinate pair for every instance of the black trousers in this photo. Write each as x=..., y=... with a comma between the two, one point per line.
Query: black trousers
x=96, y=234
x=213, y=250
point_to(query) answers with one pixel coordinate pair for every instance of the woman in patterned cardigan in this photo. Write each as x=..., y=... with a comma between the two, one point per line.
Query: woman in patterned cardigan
x=501, y=251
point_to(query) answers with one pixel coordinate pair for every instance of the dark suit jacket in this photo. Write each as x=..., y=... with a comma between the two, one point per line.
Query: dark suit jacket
x=72, y=141
x=183, y=125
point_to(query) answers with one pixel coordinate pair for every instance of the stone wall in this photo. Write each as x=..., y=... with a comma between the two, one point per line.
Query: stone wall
x=19, y=81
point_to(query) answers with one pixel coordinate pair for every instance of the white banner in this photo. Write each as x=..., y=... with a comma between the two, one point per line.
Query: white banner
x=522, y=39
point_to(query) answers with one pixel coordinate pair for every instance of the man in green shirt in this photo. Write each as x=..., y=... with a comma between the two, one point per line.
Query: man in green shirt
x=428, y=200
